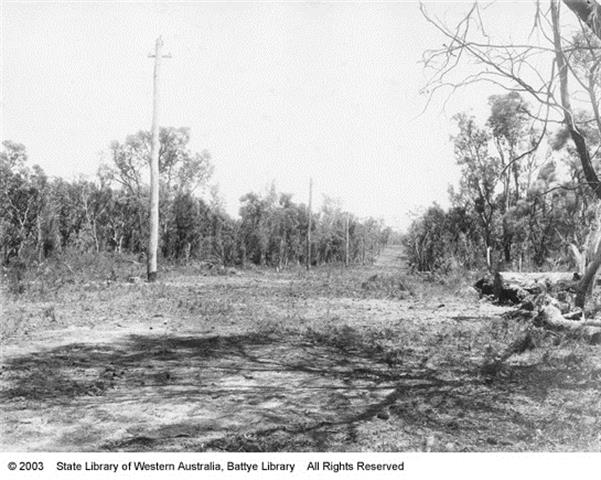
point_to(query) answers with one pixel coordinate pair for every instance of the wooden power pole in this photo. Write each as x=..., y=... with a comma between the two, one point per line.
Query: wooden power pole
x=346, y=240
x=309, y=227
x=153, y=243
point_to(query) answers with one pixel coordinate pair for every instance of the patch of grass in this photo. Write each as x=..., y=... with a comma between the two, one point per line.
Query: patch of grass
x=390, y=285
x=70, y=268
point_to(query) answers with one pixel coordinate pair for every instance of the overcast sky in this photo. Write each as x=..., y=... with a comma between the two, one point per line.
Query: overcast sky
x=274, y=91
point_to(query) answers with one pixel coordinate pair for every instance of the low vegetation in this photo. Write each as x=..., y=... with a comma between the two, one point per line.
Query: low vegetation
x=365, y=358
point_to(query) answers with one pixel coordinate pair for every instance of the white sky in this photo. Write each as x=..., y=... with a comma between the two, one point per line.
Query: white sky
x=274, y=91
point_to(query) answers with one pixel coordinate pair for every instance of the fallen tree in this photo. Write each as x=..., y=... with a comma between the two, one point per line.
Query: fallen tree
x=533, y=280
x=549, y=296
x=549, y=316
x=515, y=287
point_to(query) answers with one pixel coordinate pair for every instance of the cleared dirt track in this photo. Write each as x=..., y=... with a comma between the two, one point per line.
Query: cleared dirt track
x=333, y=359
x=392, y=256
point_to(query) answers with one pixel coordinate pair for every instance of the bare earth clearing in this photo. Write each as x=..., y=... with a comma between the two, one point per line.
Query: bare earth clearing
x=369, y=358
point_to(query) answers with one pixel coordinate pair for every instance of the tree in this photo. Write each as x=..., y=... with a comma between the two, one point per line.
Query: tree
x=254, y=213
x=512, y=134
x=425, y=241
x=480, y=176
x=23, y=199
x=181, y=172
x=180, y=169
x=497, y=163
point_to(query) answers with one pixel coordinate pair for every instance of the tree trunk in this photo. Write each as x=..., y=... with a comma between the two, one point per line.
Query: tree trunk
x=528, y=280
x=513, y=287
x=551, y=316
x=281, y=253
x=579, y=258
x=586, y=283
x=588, y=11
x=507, y=241
x=40, y=240
x=585, y=159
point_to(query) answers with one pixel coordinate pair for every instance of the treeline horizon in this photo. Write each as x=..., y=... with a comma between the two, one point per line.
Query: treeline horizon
x=42, y=217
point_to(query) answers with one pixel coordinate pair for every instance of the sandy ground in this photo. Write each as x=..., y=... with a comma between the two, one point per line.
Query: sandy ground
x=367, y=358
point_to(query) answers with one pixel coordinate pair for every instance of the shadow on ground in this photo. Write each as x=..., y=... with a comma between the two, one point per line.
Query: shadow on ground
x=260, y=393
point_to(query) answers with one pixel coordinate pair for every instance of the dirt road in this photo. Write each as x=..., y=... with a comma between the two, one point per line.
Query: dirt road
x=333, y=360
x=393, y=256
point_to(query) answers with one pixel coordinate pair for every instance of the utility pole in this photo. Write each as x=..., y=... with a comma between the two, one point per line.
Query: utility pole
x=153, y=243
x=346, y=240
x=363, y=246
x=309, y=227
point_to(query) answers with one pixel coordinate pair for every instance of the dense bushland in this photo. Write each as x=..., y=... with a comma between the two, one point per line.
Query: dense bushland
x=522, y=199
x=43, y=218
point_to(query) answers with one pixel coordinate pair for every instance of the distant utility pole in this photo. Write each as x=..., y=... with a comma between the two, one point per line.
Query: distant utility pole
x=346, y=240
x=309, y=228
x=363, y=246
x=153, y=243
